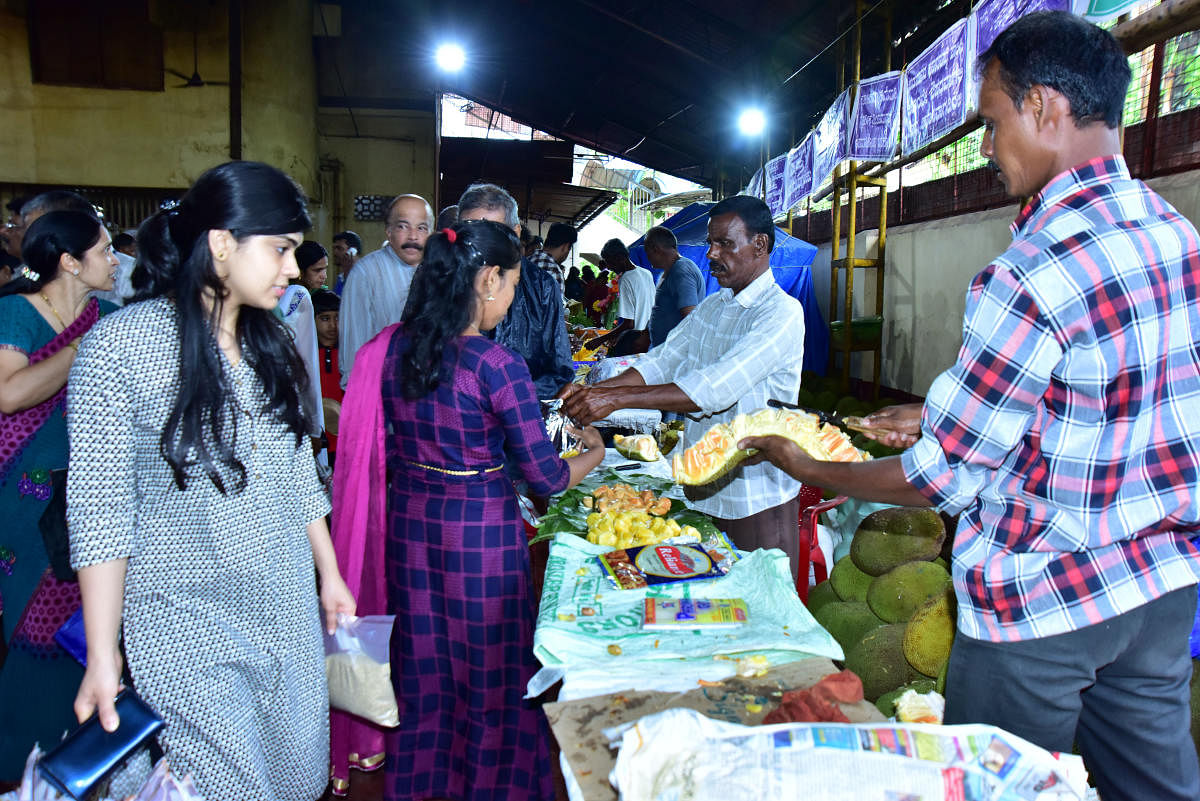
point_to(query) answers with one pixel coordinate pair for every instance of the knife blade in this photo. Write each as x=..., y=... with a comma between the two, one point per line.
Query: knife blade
x=833, y=418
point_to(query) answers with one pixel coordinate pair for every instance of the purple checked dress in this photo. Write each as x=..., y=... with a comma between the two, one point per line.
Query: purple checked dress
x=458, y=577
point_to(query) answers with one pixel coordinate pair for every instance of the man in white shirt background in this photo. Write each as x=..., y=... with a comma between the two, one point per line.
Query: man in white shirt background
x=346, y=247
x=377, y=289
x=635, y=300
x=740, y=348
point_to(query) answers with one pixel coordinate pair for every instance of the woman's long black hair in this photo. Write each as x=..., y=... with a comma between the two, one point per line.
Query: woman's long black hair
x=248, y=199
x=441, y=302
x=48, y=238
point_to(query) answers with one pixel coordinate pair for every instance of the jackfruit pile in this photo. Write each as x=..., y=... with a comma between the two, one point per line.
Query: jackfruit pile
x=626, y=518
x=890, y=604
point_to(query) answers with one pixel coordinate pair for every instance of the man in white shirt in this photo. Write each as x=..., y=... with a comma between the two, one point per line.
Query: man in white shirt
x=740, y=348
x=377, y=289
x=635, y=301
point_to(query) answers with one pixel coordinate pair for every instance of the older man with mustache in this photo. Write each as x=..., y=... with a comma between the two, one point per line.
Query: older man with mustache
x=740, y=348
x=375, y=293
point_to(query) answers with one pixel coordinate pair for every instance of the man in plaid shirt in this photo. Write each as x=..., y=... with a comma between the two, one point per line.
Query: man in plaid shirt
x=1067, y=434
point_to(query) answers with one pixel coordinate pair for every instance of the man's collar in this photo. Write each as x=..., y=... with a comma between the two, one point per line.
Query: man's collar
x=753, y=291
x=1100, y=170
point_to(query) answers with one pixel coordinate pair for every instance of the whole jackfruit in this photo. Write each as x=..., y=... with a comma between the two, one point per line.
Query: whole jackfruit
x=897, y=594
x=930, y=633
x=848, y=581
x=847, y=621
x=890, y=537
x=878, y=660
x=820, y=596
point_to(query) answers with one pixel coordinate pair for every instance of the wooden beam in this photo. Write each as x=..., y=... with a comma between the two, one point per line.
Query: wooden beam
x=1157, y=24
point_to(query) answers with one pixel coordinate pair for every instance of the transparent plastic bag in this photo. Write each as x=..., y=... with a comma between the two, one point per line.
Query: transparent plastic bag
x=359, y=670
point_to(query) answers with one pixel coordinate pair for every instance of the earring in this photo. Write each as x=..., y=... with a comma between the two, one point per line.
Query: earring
x=75, y=273
x=221, y=256
x=491, y=297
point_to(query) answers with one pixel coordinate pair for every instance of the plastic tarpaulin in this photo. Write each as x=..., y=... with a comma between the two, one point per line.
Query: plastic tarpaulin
x=791, y=262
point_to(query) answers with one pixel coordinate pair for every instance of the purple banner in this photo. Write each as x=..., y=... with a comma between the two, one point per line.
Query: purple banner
x=829, y=139
x=799, y=183
x=776, y=174
x=754, y=188
x=935, y=89
x=993, y=16
x=875, y=121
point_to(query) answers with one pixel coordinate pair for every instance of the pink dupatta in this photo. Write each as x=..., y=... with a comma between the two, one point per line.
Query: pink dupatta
x=359, y=530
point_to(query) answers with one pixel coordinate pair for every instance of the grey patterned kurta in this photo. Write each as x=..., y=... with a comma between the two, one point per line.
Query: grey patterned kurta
x=221, y=624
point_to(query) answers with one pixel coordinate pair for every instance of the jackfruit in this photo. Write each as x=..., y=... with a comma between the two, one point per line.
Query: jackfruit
x=847, y=621
x=890, y=537
x=897, y=594
x=930, y=633
x=716, y=453
x=848, y=581
x=820, y=596
x=640, y=446
x=886, y=703
x=878, y=660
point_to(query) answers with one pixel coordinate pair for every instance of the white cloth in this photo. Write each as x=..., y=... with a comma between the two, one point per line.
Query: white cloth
x=122, y=285
x=635, y=297
x=372, y=299
x=297, y=309
x=730, y=356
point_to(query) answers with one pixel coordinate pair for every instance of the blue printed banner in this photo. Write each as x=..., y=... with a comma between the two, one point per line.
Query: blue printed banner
x=935, y=89
x=829, y=139
x=875, y=121
x=799, y=183
x=993, y=16
x=776, y=174
x=754, y=188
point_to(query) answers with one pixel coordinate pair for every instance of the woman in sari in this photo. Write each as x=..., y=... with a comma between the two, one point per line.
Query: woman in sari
x=43, y=313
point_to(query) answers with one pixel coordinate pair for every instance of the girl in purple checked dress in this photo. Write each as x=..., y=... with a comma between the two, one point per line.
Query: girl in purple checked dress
x=455, y=408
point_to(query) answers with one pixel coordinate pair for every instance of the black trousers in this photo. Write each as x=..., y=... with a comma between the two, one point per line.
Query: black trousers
x=1117, y=689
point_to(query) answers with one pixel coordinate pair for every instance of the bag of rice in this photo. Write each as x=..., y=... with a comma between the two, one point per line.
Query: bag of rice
x=358, y=669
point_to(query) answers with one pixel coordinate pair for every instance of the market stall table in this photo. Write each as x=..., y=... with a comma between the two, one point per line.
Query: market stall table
x=589, y=634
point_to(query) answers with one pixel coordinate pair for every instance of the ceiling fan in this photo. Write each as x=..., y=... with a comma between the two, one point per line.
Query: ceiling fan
x=194, y=79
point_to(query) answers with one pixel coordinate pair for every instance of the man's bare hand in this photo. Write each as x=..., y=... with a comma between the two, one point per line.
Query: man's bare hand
x=585, y=405
x=779, y=451
x=895, y=426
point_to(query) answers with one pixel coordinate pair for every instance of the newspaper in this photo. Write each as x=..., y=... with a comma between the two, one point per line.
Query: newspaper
x=718, y=761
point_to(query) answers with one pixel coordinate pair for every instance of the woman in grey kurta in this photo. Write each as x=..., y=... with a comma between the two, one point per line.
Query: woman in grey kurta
x=220, y=610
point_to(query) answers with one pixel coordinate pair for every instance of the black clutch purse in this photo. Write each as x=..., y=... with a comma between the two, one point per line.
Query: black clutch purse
x=89, y=754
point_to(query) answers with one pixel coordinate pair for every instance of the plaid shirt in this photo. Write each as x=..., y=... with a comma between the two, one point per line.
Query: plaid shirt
x=1068, y=431
x=542, y=260
x=730, y=356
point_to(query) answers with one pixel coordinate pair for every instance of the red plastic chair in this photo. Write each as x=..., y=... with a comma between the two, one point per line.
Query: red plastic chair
x=810, y=551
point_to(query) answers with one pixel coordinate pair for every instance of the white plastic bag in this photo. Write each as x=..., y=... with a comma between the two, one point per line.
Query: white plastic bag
x=359, y=670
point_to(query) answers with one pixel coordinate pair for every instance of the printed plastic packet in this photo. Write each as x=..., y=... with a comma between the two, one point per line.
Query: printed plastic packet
x=665, y=563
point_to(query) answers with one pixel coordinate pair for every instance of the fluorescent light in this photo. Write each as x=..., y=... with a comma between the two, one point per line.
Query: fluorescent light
x=752, y=122
x=450, y=57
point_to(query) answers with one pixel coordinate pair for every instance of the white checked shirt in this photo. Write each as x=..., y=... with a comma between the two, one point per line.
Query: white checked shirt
x=372, y=299
x=730, y=356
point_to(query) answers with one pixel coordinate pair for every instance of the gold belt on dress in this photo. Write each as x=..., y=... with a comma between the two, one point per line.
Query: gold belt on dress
x=455, y=472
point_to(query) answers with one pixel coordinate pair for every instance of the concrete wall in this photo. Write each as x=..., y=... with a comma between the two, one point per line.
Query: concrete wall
x=929, y=266
x=391, y=154
x=101, y=137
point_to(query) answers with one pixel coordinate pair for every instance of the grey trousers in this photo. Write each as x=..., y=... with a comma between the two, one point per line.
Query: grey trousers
x=1117, y=689
x=777, y=527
